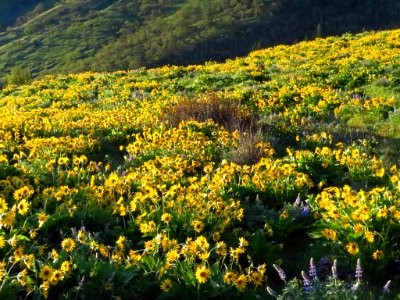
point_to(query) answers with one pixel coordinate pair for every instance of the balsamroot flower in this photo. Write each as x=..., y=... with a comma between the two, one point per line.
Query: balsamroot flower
x=68, y=244
x=377, y=255
x=352, y=248
x=240, y=282
x=202, y=274
x=166, y=285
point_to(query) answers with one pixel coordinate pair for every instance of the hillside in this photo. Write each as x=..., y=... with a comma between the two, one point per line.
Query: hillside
x=220, y=180
x=105, y=35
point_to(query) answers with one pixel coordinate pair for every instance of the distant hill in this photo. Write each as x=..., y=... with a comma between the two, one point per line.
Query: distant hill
x=104, y=35
x=10, y=10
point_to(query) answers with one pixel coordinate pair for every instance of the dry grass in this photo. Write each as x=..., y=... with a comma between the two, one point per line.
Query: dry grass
x=225, y=112
x=248, y=151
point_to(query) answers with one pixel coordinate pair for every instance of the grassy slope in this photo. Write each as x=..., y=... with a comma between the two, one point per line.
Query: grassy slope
x=59, y=45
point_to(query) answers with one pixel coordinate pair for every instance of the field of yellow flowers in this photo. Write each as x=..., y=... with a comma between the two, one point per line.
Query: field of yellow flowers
x=203, y=181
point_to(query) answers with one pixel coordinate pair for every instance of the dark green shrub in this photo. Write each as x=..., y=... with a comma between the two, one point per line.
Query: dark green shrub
x=18, y=76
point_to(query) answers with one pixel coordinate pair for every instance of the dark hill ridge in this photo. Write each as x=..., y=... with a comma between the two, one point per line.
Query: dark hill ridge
x=13, y=12
x=104, y=35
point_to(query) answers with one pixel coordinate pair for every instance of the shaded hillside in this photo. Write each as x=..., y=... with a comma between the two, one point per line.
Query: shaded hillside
x=14, y=12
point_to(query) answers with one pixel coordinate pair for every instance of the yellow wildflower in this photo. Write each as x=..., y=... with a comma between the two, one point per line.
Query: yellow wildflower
x=240, y=282
x=229, y=277
x=21, y=277
x=3, y=205
x=42, y=218
x=46, y=272
x=202, y=274
x=377, y=255
x=56, y=277
x=330, y=234
x=352, y=248
x=243, y=243
x=172, y=255
x=198, y=226
x=369, y=236
x=220, y=248
x=285, y=214
x=380, y=172
x=68, y=244
x=108, y=286
x=358, y=228
x=257, y=278
x=166, y=285
x=23, y=207
x=2, y=241
x=166, y=218
x=66, y=267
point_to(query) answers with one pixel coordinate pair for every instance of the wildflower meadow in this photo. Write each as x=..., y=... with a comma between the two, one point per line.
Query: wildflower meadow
x=274, y=175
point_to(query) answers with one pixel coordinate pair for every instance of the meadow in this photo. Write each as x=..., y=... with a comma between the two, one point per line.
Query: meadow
x=274, y=175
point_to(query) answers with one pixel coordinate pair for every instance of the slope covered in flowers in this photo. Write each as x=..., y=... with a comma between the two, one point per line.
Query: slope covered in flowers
x=185, y=181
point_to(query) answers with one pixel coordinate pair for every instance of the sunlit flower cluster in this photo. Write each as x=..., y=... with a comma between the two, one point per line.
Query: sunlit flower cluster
x=363, y=222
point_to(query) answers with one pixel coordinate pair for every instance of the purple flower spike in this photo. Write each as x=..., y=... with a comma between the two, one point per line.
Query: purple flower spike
x=386, y=287
x=334, y=269
x=359, y=272
x=313, y=270
x=305, y=210
x=298, y=200
x=82, y=282
x=355, y=286
x=271, y=292
x=307, y=282
x=282, y=274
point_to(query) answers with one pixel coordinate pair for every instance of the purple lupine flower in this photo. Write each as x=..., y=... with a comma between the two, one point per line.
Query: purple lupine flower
x=386, y=287
x=359, y=272
x=271, y=292
x=308, y=287
x=298, y=200
x=334, y=269
x=282, y=274
x=82, y=282
x=355, y=286
x=74, y=232
x=305, y=210
x=313, y=270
